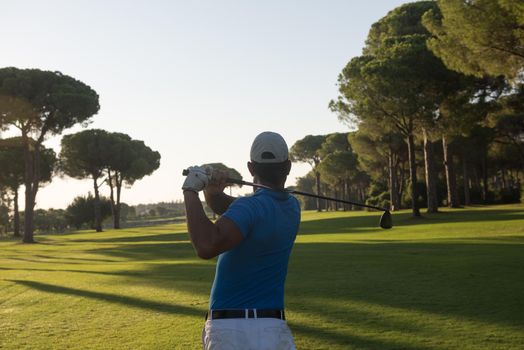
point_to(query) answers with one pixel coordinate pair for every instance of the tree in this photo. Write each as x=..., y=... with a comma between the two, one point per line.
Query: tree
x=382, y=153
x=232, y=172
x=339, y=166
x=402, y=21
x=41, y=103
x=431, y=86
x=126, y=212
x=306, y=183
x=307, y=150
x=51, y=220
x=12, y=171
x=479, y=37
x=508, y=121
x=339, y=169
x=82, y=211
x=86, y=154
x=128, y=161
x=398, y=82
x=396, y=89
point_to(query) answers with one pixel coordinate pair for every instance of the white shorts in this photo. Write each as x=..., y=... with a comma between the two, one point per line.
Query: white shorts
x=247, y=334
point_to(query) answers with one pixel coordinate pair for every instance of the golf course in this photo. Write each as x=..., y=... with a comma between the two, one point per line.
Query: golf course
x=452, y=280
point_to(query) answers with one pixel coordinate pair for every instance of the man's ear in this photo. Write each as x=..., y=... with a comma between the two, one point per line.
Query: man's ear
x=250, y=168
x=288, y=167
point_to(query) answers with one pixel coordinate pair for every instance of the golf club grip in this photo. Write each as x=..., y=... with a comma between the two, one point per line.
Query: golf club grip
x=185, y=172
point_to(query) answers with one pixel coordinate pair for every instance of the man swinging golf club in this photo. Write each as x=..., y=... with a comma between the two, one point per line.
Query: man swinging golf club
x=253, y=240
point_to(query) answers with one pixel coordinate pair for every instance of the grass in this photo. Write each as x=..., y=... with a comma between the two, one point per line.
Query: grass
x=453, y=280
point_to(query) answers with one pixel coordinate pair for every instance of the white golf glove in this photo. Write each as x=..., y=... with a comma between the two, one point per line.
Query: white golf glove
x=197, y=179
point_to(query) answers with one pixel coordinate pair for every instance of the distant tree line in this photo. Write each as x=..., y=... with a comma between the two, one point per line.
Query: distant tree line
x=80, y=214
x=39, y=104
x=437, y=101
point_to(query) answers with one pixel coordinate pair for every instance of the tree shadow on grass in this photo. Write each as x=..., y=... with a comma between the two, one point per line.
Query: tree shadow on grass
x=349, y=224
x=182, y=250
x=162, y=237
x=112, y=298
x=189, y=277
x=369, y=223
x=476, y=281
x=50, y=257
x=36, y=261
x=330, y=336
x=468, y=215
x=473, y=281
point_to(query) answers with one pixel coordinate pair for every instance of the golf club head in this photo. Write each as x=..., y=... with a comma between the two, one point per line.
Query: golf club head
x=385, y=220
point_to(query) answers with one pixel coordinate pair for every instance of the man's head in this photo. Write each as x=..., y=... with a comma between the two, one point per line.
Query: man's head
x=269, y=159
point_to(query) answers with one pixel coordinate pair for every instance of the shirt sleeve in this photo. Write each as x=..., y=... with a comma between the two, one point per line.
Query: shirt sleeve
x=243, y=213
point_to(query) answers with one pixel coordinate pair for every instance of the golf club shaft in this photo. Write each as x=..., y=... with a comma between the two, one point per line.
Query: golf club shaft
x=242, y=182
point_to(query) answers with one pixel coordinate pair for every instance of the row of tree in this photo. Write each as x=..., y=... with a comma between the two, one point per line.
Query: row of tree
x=40, y=104
x=445, y=75
x=79, y=214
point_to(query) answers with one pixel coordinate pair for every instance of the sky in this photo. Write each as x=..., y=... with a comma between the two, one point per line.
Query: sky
x=195, y=80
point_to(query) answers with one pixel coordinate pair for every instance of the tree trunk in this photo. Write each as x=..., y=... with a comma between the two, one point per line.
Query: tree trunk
x=485, y=179
x=431, y=175
x=475, y=179
x=29, y=199
x=317, y=180
x=465, y=177
x=346, y=195
x=98, y=209
x=392, y=181
x=451, y=180
x=413, y=176
x=111, y=196
x=503, y=178
x=117, y=207
x=16, y=217
x=401, y=185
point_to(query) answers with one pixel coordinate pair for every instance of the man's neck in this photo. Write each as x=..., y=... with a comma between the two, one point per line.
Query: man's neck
x=279, y=186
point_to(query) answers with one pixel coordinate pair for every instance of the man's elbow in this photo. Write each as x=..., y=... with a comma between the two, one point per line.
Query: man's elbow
x=205, y=253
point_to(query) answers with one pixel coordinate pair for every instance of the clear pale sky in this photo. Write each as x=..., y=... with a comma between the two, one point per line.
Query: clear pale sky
x=195, y=80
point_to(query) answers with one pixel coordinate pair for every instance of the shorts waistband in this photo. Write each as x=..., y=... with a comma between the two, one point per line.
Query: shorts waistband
x=245, y=313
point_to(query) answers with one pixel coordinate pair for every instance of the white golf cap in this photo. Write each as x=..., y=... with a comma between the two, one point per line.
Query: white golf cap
x=269, y=147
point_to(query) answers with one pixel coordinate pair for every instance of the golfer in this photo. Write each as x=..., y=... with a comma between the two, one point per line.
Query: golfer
x=253, y=240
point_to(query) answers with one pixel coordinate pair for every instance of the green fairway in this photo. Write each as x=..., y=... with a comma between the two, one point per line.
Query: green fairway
x=453, y=280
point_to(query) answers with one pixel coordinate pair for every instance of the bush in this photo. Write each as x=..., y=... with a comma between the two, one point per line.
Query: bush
x=508, y=195
x=381, y=200
x=81, y=211
x=421, y=200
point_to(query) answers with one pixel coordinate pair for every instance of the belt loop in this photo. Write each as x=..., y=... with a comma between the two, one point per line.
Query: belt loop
x=281, y=315
x=255, y=311
x=246, y=313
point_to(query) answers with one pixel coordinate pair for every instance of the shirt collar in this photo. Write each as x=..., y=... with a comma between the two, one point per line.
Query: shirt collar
x=280, y=195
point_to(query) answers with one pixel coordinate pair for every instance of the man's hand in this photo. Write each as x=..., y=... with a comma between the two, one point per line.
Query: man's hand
x=197, y=179
x=217, y=183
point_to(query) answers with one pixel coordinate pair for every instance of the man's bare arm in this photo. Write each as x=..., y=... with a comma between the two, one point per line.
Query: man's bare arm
x=209, y=239
x=218, y=202
x=216, y=199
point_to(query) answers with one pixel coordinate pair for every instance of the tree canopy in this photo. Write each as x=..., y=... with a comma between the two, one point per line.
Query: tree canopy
x=114, y=157
x=41, y=103
x=479, y=37
x=308, y=150
x=86, y=154
x=232, y=172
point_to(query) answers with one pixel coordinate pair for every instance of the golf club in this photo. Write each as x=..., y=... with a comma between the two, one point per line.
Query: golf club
x=385, y=219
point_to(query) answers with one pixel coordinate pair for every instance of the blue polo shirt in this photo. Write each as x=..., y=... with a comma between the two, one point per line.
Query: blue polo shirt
x=252, y=274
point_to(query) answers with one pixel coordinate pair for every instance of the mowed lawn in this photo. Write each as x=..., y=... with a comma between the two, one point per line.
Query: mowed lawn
x=454, y=280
